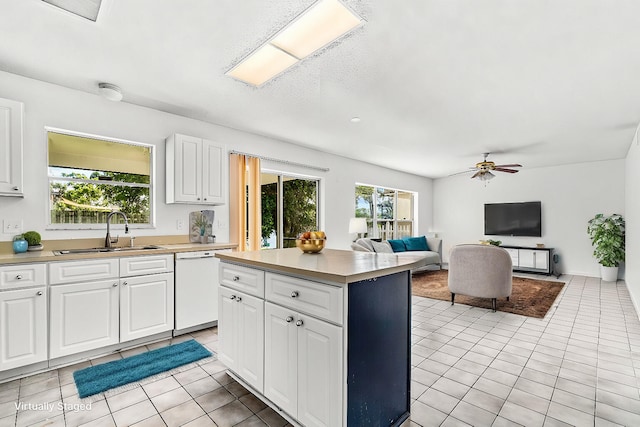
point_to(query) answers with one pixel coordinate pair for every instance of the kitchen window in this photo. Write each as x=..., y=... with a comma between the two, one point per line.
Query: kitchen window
x=389, y=212
x=90, y=176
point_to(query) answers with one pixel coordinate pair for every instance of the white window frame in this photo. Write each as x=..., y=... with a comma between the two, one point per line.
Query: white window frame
x=100, y=226
x=375, y=221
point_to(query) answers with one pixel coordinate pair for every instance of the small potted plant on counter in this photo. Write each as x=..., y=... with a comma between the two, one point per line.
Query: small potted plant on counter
x=34, y=239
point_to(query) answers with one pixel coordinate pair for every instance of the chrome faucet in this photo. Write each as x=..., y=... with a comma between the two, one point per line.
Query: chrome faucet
x=108, y=241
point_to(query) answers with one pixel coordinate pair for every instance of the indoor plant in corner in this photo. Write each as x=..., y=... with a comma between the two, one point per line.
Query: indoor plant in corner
x=607, y=234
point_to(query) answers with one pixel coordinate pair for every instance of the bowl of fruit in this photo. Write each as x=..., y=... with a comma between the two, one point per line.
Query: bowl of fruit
x=311, y=242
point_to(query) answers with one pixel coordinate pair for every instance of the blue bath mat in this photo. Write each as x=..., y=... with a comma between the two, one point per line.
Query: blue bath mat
x=99, y=378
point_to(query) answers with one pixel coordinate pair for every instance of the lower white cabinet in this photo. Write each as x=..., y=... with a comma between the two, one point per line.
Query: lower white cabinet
x=84, y=316
x=303, y=366
x=126, y=299
x=146, y=305
x=23, y=328
x=241, y=335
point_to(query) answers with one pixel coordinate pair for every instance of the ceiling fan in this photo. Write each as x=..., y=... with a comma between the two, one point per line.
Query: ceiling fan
x=483, y=169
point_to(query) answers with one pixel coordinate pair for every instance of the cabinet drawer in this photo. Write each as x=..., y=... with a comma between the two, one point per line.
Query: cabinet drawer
x=80, y=271
x=143, y=265
x=313, y=298
x=243, y=279
x=22, y=276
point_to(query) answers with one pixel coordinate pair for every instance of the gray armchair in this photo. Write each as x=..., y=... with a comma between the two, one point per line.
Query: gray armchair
x=482, y=271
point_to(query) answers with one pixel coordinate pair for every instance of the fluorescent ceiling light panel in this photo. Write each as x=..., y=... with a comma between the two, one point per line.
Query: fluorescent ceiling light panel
x=321, y=24
x=316, y=27
x=263, y=64
x=86, y=8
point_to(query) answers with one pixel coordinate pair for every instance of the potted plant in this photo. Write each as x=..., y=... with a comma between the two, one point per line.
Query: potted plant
x=34, y=239
x=20, y=245
x=200, y=225
x=607, y=234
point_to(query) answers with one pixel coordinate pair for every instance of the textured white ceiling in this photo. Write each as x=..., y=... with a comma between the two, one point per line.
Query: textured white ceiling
x=436, y=83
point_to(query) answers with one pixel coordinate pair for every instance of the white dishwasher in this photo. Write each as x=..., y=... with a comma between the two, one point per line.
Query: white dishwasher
x=196, y=290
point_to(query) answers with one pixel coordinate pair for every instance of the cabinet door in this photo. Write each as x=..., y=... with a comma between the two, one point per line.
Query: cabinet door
x=541, y=260
x=146, y=306
x=11, y=113
x=526, y=258
x=84, y=316
x=23, y=330
x=281, y=357
x=319, y=373
x=250, y=318
x=228, y=328
x=213, y=172
x=188, y=169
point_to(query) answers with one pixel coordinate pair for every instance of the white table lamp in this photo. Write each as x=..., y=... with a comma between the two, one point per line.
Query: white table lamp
x=357, y=225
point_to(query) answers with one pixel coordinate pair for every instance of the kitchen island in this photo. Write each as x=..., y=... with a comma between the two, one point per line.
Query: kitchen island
x=324, y=339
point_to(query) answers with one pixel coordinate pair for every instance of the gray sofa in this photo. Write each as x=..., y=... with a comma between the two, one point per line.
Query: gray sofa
x=433, y=255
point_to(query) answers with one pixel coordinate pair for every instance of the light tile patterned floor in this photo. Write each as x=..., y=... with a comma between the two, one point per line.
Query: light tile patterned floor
x=580, y=365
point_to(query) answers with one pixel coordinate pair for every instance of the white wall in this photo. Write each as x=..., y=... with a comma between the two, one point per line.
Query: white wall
x=632, y=209
x=55, y=106
x=570, y=196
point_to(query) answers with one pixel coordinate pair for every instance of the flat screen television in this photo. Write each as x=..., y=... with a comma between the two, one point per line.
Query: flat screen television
x=513, y=219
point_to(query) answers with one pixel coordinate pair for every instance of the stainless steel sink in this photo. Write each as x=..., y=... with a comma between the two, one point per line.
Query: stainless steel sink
x=99, y=250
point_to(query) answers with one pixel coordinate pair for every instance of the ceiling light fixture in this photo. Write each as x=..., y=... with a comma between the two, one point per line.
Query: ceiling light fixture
x=485, y=176
x=321, y=24
x=109, y=91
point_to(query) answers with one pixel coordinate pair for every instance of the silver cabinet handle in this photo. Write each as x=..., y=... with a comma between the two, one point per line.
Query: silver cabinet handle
x=15, y=188
x=115, y=284
x=198, y=198
x=233, y=297
x=289, y=319
x=19, y=277
x=238, y=299
x=124, y=283
x=39, y=293
x=294, y=294
x=299, y=322
x=236, y=278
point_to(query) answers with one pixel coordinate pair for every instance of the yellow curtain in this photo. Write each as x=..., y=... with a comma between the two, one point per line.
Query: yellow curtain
x=245, y=222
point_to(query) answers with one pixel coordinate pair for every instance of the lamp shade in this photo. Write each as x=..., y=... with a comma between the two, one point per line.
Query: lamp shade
x=358, y=225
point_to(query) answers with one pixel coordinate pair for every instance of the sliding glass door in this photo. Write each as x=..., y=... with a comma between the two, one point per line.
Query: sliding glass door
x=290, y=206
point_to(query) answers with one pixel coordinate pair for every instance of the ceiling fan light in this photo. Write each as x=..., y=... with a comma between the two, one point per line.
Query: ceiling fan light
x=486, y=176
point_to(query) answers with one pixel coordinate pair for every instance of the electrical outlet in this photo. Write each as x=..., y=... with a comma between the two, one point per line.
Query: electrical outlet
x=12, y=226
x=180, y=224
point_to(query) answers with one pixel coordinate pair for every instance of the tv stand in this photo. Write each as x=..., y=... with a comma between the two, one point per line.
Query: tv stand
x=531, y=260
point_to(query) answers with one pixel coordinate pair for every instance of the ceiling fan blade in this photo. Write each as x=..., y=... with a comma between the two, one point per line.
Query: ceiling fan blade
x=515, y=165
x=460, y=173
x=506, y=170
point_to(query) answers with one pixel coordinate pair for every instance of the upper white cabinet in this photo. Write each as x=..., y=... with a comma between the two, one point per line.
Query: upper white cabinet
x=11, y=113
x=196, y=170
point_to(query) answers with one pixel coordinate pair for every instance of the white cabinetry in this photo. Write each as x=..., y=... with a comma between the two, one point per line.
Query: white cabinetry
x=303, y=366
x=11, y=125
x=84, y=316
x=241, y=335
x=196, y=170
x=100, y=302
x=298, y=320
x=23, y=314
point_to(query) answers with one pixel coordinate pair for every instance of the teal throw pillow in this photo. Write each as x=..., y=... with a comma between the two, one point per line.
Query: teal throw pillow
x=397, y=245
x=416, y=243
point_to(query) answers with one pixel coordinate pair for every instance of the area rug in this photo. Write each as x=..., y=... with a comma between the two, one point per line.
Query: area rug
x=117, y=373
x=529, y=297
